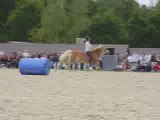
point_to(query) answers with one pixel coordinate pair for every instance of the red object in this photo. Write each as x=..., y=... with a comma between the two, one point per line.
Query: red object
x=157, y=67
x=125, y=66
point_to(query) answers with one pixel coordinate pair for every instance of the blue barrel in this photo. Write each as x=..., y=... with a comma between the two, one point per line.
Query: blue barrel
x=34, y=66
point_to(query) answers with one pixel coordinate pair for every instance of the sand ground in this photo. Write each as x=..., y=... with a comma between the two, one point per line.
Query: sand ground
x=79, y=95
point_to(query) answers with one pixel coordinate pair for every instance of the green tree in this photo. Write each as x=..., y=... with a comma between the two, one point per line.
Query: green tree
x=78, y=18
x=64, y=25
x=126, y=8
x=158, y=5
x=23, y=19
x=53, y=22
x=5, y=8
x=139, y=31
x=155, y=22
x=108, y=29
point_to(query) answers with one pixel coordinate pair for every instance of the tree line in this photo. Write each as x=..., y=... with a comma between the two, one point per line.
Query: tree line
x=62, y=21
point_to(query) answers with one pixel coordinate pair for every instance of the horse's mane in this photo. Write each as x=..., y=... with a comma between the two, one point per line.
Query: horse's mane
x=96, y=48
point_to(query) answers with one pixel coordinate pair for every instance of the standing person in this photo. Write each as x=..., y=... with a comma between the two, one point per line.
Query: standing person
x=88, y=48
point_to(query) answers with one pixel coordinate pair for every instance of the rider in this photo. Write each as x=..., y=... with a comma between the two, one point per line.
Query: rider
x=88, y=48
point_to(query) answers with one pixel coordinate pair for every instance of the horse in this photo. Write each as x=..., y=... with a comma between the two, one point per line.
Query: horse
x=77, y=57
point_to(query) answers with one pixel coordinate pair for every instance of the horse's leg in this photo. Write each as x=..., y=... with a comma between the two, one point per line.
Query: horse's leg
x=98, y=65
x=73, y=67
x=91, y=65
x=79, y=66
x=91, y=68
x=66, y=66
x=69, y=63
x=86, y=66
x=58, y=65
x=54, y=65
x=69, y=66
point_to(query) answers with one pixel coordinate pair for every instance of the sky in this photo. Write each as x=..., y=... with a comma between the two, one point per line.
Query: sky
x=146, y=2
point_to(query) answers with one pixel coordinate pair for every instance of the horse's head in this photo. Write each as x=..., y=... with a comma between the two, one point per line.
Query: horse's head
x=104, y=50
x=99, y=51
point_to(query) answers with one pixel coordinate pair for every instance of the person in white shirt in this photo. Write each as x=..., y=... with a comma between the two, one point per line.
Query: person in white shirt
x=88, y=48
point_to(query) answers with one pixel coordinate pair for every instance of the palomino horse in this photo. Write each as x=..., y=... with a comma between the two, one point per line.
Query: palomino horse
x=77, y=57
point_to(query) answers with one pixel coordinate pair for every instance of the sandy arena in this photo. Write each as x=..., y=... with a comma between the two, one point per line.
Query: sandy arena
x=79, y=95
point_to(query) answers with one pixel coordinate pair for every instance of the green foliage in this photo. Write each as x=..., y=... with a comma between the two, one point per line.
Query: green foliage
x=155, y=22
x=53, y=23
x=22, y=20
x=139, y=31
x=126, y=8
x=78, y=19
x=62, y=21
x=107, y=29
x=5, y=7
x=66, y=24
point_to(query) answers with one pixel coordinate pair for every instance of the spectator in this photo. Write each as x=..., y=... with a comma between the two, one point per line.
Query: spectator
x=44, y=56
x=158, y=59
x=157, y=66
x=13, y=60
x=26, y=54
x=144, y=64
x=3, y=61
x=2, y=53
x=154, y=61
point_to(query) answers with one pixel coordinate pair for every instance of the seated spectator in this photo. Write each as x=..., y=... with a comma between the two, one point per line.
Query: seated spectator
x=36, y=55
x=13, y=60
x=154, y=61
x=157, y=66
x=55, y=57
x=2, y=53
x=144, y=63
x=158, y=59
x=3, y=61
x=26, y=54
x=44, y=56
x=125, y=64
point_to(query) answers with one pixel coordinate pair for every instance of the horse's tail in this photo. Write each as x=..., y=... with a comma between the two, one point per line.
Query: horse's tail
x=68, y=51
x=65, y=56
